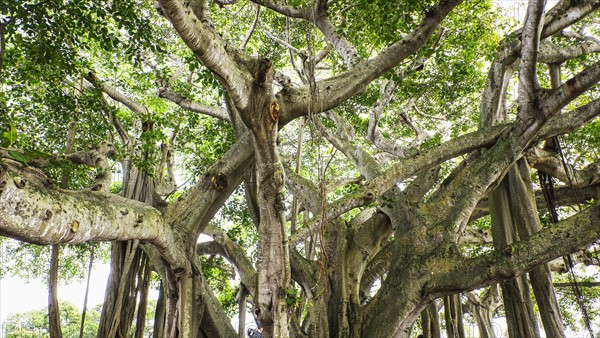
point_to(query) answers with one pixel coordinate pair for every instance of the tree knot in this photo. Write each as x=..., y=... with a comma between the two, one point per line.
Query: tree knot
x=219, y=182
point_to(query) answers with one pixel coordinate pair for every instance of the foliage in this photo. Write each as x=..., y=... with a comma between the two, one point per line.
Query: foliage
x=35, y=323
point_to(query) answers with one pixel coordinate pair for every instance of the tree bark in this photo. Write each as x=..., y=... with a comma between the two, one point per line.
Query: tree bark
x=520, y=318
x=119, y=305
x=261, y=116
x=144, y=278
x=53, y=309
x=430, y=321
x=159, y=314
x=454, y=316
x=483, y=308
x=524, y=209
x=87, y=290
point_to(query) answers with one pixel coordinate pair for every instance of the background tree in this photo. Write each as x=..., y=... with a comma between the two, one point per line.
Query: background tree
x=370, y=142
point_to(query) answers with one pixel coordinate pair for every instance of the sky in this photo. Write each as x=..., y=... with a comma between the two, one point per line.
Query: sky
x=19, y=295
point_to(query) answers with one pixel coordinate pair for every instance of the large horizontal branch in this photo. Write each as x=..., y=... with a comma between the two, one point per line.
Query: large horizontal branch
x=193, y=106
x=558, y=240
x=331, y=92
x=34, y=212
x=552, y=53
x=194, y=210
x=426, y=159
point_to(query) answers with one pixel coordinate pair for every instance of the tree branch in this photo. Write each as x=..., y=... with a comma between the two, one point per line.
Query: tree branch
x=321, y=20
x=235, y=254
x=183, y=102
x=117, y=95
x=558, y=240
x=252, y=28
x=552, y=164
x=553, y=100
x=221, y=59
x=483, y=138
x=552, y=53
x=530, y=39
x=281, y=8
x=194, y=210
x=335, y=90
x=34, y=212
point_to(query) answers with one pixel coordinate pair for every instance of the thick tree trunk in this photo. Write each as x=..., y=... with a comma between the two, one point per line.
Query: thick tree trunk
x=261, y=117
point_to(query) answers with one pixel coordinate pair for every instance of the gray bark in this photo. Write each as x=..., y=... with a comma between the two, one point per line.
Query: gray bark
x=430, y=321
x=53, y=309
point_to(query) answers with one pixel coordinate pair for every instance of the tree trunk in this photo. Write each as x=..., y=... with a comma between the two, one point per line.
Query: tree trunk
x=53, y=309
x=454, y=316
x=119, y=305
x=159, y=314
x=483, y=308
x=242, y=312
x=430, y=321
x=524, y=209
x=261, y=117
x=140, y=322
x=87, y=291
x=520, y=317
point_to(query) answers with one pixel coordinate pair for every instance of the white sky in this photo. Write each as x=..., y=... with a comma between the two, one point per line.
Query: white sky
x=19, y=295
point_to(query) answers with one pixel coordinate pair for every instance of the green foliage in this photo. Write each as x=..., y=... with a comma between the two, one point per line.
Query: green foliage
x=292, y=296
x=34, y=324
x=570, y=302
x=30, y=261
x=9, y=137
x=219, y=276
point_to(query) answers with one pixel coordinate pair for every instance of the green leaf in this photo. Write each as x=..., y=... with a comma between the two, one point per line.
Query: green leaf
x=32, y=153
x=19, y=157
x=9, y=137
